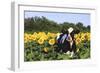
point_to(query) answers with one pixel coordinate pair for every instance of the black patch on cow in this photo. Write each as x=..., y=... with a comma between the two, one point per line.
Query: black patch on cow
x=64, y=47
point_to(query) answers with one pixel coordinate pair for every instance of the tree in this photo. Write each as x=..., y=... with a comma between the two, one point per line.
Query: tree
x=43, y=24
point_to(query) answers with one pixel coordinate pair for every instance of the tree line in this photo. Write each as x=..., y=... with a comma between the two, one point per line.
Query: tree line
x=43, y=24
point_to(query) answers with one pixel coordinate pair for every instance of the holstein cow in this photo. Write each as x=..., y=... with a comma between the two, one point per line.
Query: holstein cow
x=66, y=41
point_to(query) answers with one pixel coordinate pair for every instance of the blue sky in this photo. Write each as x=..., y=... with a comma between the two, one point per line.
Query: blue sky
x=61, y=17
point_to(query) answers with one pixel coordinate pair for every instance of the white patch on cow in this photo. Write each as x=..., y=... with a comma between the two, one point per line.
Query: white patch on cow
x=68, y=52
x=63, y=38
x=70, y=40
x=71, y=43
x=58, y=36
x=70, y=29
x=72, y=53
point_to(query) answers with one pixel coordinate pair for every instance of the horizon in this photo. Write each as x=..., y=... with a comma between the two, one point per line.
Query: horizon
x=61, y=17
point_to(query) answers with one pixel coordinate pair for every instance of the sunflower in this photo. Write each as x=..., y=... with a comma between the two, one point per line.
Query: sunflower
x=25, y=40
x=33, y=37
x=82, y=38
x=44, y=37
x=52, y=41
x=40, y=41
x=45, y=49
x=78, y=40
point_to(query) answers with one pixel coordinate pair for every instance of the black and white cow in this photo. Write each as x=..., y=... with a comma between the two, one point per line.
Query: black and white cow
x=66, y=41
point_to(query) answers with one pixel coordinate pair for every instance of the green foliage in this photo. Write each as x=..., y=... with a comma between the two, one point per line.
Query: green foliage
x=84, y=50
x=37, y=53
x=43, y=24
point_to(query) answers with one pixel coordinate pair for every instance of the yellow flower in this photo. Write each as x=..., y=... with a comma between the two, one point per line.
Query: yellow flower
x=51, y=41
x=45, y=49
x=44, y=37
x=82, y=38
x=48, y=34
x=25, y=35
x=40, y=41
x=33, y=37
x=35, y=33
x=52, y=35
x=78, y=40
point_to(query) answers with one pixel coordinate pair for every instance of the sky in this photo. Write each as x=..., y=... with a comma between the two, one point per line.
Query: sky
x=61, y=17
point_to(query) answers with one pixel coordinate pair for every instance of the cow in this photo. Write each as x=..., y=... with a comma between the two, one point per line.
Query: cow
x=66, y=41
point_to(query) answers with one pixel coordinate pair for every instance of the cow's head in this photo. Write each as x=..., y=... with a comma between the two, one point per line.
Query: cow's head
x=71, y=32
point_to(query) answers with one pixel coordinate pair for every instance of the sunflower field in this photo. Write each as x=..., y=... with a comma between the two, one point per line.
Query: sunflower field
x=41, y=46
